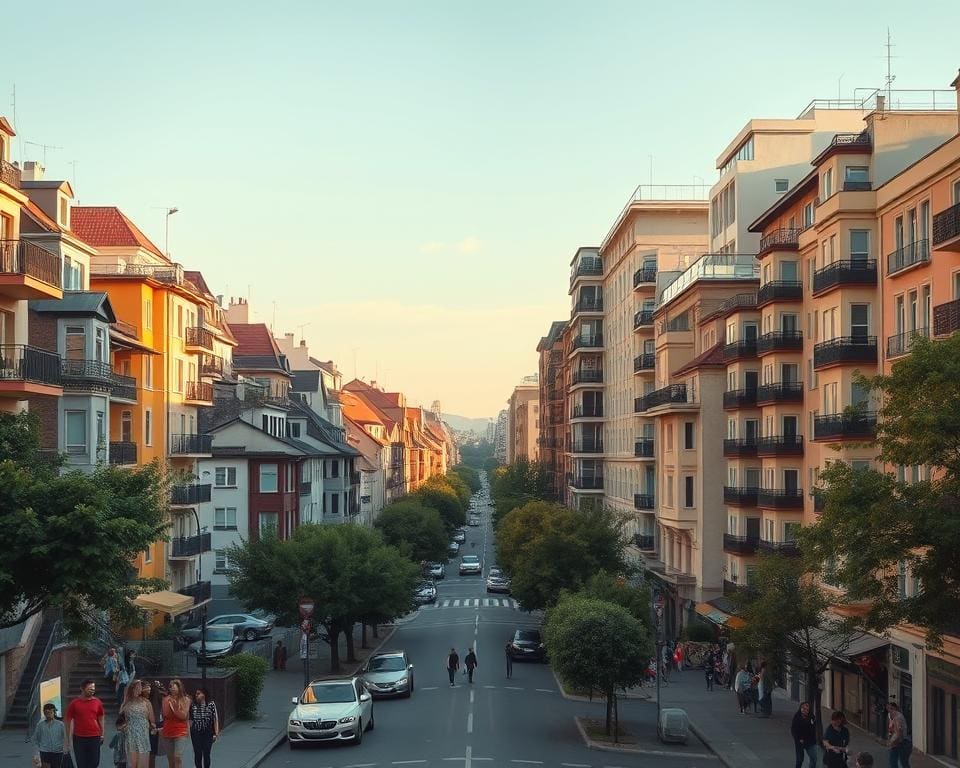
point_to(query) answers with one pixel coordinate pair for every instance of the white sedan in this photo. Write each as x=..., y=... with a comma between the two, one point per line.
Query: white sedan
x=330, y=710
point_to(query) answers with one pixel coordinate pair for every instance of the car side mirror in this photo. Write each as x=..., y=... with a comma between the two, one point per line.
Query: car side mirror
x=295, y=700
x=364, y=697
x=410, y=667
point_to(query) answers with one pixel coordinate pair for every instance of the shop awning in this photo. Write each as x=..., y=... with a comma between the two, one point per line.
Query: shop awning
x=720, y=618
x=164, y=601
x=861, y=645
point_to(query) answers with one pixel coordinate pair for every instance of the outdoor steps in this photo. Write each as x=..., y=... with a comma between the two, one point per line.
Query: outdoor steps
x=17, y=716
x=89, y=666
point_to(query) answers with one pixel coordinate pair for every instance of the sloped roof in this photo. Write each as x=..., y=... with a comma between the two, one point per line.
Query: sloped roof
x=369, y=395
x=106, y=225
x=329, y=430
x=43, y=221
x=256, y=349
x=6, y=127
x=305, y=381
x=712, y=358
x=77, y=304
x=292, y=445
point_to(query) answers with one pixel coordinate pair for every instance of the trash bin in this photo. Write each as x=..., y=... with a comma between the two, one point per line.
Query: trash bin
x=673, y=727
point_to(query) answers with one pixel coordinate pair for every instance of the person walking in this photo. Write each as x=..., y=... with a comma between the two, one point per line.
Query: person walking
x=119, y=743
x=83, y=726
x=804, y=732
x=122, y=680
x=741, y=685
x=765, y=690
x=279, y=657
x=452, y=664
x=174, y=734
x=708, y=672
x=49, y=737
x=509, y=656
x=109, y=662
x=836, y=739
x=153, y=694
x=140, y=724
x=204, y=727
x=470, y=662
x=900, y=743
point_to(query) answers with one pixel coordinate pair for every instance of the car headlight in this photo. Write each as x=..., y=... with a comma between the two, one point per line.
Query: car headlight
x=349, y=719
x=401, y=681
x=296, y=722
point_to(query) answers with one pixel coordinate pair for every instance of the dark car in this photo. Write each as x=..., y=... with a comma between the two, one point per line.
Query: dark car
x=527, y=645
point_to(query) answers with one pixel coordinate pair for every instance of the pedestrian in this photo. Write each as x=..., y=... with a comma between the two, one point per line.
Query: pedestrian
x=109, y=662
x=140, y=724
x=836, y=739
x=452, y=664
x=175, y=733
x=204, y=727
x=153, y=694
x=765, y=690
x=804, y=732
x=741, y=686
x=121, y=682
x=725, y=662
x=708, y=672
x=49, y=737
x=280, y=657
x=864, y=760
x=83, y=726
x=119, y=743
x=754, y=689
x=900, y=743
x=678, y=657
x=470, y=662
x=509, y=655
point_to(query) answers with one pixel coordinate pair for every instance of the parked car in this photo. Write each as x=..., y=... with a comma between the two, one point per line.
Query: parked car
x=495, y=570
x=498, y=584
x=453, y=549
x=470, y=565
x=388, y=674
x=528, y=645
x=219, y=642
x=330, y=710
x=459, y=537
x=437, y=571
x=249, y=626
x=424, y=593
x=474, y=521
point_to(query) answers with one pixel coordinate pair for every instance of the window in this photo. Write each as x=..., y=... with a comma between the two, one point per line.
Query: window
x=179, y=321
x=100, y=349
x=265, y=423
x=126, y=426
x=76, y=431
x=225, y=519
x=147, y=555
x=269, y=522
x=688, y=491
x=101, y=429
x=335, y=504
x=148, y=427
x=859, y=320
x=148, y=314
x=857, y=174
x=808, y=217
x=220, y=561
x=335, y=467
x=72, y=279
x=179, y=376
x=688, y=433
x=268, y=478
x=75, y=344
x=781, y=185
x=827, y=183
x=859, y=244
x=225, y=477
x=147, y=372
x=669, y=437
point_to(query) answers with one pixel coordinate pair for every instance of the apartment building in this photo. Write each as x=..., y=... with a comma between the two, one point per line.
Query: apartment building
x=524, y=421
x=550, y=369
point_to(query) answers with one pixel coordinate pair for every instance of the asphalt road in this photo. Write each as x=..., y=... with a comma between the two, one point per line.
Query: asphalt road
x=494, y=722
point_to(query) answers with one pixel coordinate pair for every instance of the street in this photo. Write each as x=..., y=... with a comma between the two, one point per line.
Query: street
x=494, y=722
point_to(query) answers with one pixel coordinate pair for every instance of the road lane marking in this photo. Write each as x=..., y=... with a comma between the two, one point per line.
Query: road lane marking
x=512, y=688
x=408, y=762
x=488, y=686
x=468, y=757
x=470, y=723
x=544, y=690
x=528, y=762
x=456, y=603
x=430, y=688
x=471, y=697
x=575, y=765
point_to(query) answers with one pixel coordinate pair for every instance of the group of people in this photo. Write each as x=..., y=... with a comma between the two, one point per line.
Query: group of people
x=836, y=740
x=119, y=671
x=152, y=722
x=452, y=665
x=754, y=687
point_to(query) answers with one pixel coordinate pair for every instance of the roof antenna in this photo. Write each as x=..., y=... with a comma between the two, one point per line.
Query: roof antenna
x=890, y=76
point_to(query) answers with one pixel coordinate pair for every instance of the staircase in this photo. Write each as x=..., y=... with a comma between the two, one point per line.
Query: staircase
x=86, y=666
x=18, y=716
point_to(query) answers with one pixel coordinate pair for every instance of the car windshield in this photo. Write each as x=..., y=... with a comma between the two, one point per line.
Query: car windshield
x=424, y=586
x=219, y=634
x=386, y=664
x=471, y=559
x=528, y=636
x=325, y=693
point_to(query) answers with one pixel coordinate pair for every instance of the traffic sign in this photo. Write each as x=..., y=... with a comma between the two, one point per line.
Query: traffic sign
x=306, y=607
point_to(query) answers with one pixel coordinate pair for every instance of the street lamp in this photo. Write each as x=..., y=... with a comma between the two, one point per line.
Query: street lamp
x=166, y=230
x=203, y=608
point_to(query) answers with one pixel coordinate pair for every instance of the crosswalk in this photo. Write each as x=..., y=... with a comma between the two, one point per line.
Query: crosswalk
x=477, y=602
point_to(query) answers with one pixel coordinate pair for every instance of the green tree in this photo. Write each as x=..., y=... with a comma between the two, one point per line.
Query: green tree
x=517, y=484
x=70, y=541
x=415, y=529
x=477, y=453
x=547, y=548
x=619, y=591
x=874, y=525
x=459, y=487
x=437, y=493
x=470, y=476
x=594, y=644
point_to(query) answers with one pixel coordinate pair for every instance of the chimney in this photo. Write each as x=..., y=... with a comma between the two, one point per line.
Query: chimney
x=32, y=171
x=288, y=337
x=956, y=84
x=303, y=343
x=881, y=102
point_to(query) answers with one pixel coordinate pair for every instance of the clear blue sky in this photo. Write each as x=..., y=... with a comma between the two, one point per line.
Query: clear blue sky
x=412, y=178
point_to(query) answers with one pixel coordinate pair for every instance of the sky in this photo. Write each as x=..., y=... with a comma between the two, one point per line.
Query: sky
x=403, y=184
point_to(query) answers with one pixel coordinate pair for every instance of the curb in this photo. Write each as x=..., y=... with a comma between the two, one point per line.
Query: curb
x=695, y=730
x=591, y=744
x=599, y=698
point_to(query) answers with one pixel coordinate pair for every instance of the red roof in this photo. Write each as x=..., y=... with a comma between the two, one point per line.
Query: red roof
x=712, y=358
x=105, y=225
x=197, y=279
x=370, y=396
x=253, y=339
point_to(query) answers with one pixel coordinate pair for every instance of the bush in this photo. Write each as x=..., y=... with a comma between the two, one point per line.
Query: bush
x=698, y=632
x=251, y=671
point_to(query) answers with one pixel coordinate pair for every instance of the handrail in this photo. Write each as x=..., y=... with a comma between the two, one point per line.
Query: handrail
x=52, y=641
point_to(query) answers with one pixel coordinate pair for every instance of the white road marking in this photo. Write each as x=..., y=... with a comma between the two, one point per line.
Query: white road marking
x=512, y=688
x=456, y=603
x=528, y=762
x=470, y=723
x=468, y=757
x=484, y=759
x=430, y=688
x=471, y=697
x=407, y=762
x=488, y=686
x=575, y=765
x=360, y=765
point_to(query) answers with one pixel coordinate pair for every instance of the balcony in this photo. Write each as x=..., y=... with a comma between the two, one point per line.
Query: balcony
x=581, y=411
x=588, y=483
x=306, y=488
x=644, y=501
x=839, y=426
x=198, y=339
x=780, y=498
x=87, y=374
x=185, y=445
x=588, y=342
x=731, y=588
x=740, y=350
x=740, y=398
x=200, y=392
x=189, y=495
x=740, y=545
x=908, y=256
x=783, y=239
x=27, y=271
x=902, y=343
x=189, y=546
x=780, y=341
x=643, y=318
x=587, y=268
x=857, y=186
x=587, y=376
x=644, y=276
x=780, y=445
x=845, y=349
x=946, y=318
x=123, y=452
x=779, y=290
x=675, y=393
x=588, y=305
x=644, y=541
x=740, y=496
x=211, y=366
x=171, y=274
x=200, y=592
x=124, y=388
x=9, y=174
x=946, y=229
x=780, y=392
x=639, y=406
x=785, y=548
x=644, y=362
x=739, y=446
x=587, y=446
x=26, y=370
x=643, y=448
x=847, y=272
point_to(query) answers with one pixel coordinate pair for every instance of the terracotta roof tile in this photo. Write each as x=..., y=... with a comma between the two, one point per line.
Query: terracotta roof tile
x=196, y=278
x=712, y=358
x=105, y=225
x=253, y=339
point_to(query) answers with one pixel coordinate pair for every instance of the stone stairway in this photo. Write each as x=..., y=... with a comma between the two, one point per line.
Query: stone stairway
x=18, y=716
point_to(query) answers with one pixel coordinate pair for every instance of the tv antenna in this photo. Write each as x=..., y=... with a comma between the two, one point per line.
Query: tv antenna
x=300, y=328
x=890, y=76
x=44, y=147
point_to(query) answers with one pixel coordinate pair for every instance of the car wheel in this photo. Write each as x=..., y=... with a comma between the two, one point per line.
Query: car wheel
x=358, y=739
x=250, y=634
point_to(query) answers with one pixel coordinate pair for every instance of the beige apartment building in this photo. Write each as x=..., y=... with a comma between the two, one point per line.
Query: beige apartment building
x=523, y=421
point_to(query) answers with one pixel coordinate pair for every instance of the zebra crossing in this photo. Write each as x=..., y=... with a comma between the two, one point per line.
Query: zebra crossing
x=476, y=602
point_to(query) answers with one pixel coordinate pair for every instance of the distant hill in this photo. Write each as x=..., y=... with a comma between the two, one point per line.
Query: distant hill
x=463, y=424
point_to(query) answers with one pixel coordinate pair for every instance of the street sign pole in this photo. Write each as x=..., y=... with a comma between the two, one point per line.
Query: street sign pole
x=659, y=646
x=306, y=605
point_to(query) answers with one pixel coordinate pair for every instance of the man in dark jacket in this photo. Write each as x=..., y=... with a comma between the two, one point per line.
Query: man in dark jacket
x=804, y=732
x=470, y=662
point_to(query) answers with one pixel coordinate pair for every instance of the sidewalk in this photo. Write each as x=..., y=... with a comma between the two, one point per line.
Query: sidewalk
x=749, y=741
x=243, y=743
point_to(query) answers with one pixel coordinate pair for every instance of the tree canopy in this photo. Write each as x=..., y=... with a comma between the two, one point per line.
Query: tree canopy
x=470, y=476
x=477, y=453
x=878, y=525
x=415, y=529
x=519, y=483
x=459, y=487
x=619, y=591
x=438, y=494
x=70, y=541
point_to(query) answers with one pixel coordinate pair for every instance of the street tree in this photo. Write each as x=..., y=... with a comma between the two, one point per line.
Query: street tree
x=415, y=529
x=517, y=484
x=459, y=487
x=470, y=476
x=619, y=591
x=437, y=493
x=70, y=541
x=476, y=454
x=597, y=645
x=547, y=548
x=876, y=525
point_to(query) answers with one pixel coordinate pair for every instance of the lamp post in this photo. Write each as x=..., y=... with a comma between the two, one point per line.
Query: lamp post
x=203, y=608
x=166, y=230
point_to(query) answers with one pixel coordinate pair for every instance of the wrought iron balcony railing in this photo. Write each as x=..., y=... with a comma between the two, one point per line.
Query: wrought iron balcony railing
x=123, y=452
x=643, y=447
x=780, y=498
x=845, y=349
x=738, y=350
x=779, y=290
x=908, y=256
x=946, y=318
x=644, y=275
x=190, y=444
x=189, y=546
x=783, y=239
x=855, y=424
x=21, y=362
x=643, y=501
x=740, y=446
x=587, y=376
x=199, y=391
x=200, y=338
x=741, y=496
x=780, y=392
x=21, y=257
x=740, y=545
x=643, y=318
x=646, y=361
x=902, y=343
x=846, y=272
x=780, y=445
x=780, y=341
x=740, y=398
x=946, y=225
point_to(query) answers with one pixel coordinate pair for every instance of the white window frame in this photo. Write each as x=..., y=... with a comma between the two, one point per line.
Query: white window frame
x=76, y=448
x=225, y=514
x=276, y=478
x=229, y=475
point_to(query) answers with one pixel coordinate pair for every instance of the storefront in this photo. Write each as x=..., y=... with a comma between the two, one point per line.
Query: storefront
x=943, y=707
x=859, y=680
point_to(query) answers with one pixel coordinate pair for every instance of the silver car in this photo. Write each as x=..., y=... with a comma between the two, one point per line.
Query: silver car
x=388, y=674
x=330, y=710
x=218, y=642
